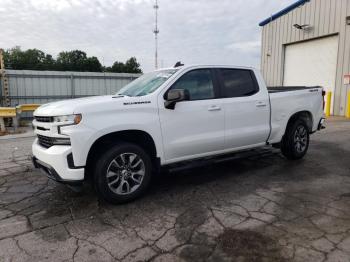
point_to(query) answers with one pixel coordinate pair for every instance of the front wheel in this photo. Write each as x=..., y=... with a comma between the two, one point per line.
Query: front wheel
x=122, y=173
x=295, y=141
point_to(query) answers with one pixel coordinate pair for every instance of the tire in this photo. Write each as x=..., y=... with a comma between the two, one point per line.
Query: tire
x=122, y=173
x=295, y=142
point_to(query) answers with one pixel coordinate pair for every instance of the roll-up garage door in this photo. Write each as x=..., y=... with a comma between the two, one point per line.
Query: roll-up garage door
x=312, y=63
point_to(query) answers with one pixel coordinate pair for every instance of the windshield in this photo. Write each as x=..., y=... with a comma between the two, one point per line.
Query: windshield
x=147, y=83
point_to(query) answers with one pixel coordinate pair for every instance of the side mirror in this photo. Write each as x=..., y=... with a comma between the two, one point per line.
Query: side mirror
x=174, y=96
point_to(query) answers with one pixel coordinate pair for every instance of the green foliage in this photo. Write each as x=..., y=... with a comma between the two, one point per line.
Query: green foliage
x=117, y=67
x=76, y=60
x=33, y=59
x=130, y=66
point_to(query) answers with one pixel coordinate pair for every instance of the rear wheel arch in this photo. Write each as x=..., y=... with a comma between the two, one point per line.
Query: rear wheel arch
x=295, y=142
x=295, y=145
x=305, y=116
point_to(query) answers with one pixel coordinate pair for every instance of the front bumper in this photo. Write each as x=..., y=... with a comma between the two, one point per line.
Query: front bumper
x=54, y=162
x=321, y=124
x=51, y=173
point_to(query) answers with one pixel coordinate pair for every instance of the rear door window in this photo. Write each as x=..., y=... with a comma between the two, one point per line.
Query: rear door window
x=238, y=82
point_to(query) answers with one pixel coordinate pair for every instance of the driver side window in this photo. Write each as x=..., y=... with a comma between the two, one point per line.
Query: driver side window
x=198, y=83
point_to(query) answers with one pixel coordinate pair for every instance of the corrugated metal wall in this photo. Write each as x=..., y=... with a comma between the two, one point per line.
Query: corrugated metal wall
x=40, y=87
x=327, y=17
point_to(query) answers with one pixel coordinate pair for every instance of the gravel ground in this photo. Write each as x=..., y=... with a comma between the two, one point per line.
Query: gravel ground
x=263, y=208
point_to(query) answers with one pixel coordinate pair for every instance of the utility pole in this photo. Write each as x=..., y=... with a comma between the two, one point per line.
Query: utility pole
x=2, y=62
x=4, y=80
x=156, y=32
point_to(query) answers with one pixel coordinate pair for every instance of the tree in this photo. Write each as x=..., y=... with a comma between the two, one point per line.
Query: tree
x=92, y=64
x=131, y=66
x=12, y=58
x=49, y=63
x=77, y=60
x=118, y=67
x=32, y=59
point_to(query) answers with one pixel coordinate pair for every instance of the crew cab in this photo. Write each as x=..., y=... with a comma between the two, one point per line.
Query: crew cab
x=168, y=117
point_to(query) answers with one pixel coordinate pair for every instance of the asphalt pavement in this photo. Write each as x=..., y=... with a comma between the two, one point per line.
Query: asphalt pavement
x=261, y=208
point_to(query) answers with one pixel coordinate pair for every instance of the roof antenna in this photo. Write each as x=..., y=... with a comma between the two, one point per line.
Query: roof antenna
x=178, y=64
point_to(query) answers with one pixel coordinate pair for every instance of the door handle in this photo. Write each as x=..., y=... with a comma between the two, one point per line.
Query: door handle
x=260, y=104
x=214, y=108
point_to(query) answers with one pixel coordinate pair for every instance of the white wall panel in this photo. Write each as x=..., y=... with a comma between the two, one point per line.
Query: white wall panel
x=326, y=18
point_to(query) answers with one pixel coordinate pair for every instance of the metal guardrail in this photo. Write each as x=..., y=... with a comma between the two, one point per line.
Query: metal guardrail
x=26, y=108
x=7, y=111
x=15, y=114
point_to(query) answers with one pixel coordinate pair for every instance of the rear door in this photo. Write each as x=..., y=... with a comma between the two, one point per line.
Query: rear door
x=247, y=110
x=195, y=127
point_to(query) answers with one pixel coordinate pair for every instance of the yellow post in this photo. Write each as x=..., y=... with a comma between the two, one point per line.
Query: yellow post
x=328, y=104
x=347, y=114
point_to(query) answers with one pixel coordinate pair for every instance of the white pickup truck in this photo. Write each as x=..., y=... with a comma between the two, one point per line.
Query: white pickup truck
x=168, y=117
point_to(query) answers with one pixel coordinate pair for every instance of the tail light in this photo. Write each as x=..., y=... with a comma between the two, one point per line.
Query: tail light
x=323, y=95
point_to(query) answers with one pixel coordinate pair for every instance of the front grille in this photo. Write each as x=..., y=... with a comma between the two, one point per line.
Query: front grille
x=45, y=119
x=42, y=128
x=46, y=141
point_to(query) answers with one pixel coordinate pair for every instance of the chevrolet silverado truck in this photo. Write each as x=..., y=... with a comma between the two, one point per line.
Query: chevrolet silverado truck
x=169, y=117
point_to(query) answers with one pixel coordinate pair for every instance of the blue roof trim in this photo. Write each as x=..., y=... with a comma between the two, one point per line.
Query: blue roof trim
x=283, y=12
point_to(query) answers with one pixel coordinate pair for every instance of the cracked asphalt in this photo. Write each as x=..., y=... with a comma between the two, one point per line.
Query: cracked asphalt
x=262, y=208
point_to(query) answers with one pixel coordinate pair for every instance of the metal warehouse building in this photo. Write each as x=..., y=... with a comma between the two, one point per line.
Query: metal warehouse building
x=308, y=43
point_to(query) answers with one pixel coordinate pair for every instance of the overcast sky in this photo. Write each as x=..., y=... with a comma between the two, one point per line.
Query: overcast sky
x=192, y=31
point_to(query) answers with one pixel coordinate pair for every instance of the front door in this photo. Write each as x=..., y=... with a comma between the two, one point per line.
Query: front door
x=195, y=127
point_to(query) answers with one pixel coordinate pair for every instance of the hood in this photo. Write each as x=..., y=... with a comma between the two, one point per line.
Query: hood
x=92, y=104
x=68, y=107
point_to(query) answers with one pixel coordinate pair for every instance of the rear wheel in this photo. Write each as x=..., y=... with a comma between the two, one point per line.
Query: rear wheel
x=295, y=142
x=122, y=173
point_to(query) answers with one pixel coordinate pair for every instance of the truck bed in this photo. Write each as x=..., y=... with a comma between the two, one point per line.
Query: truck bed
x=285, y=101
x=277, y=89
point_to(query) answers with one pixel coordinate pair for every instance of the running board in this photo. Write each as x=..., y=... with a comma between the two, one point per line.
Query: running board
x=248, y=154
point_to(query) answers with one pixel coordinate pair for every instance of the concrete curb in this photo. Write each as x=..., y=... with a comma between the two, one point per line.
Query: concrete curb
x=24, y=135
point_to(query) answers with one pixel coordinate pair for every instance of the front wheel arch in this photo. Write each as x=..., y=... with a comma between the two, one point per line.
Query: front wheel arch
x=121, y=173
x=104, y=143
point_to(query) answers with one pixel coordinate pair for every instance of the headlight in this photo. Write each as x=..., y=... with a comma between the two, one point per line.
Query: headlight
x=68, y=119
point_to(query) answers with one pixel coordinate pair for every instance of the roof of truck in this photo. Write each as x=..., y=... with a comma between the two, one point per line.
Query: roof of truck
x=207, y=65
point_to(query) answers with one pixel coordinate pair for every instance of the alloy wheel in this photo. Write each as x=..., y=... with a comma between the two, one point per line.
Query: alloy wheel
x=300, y=139
x=125, y=173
